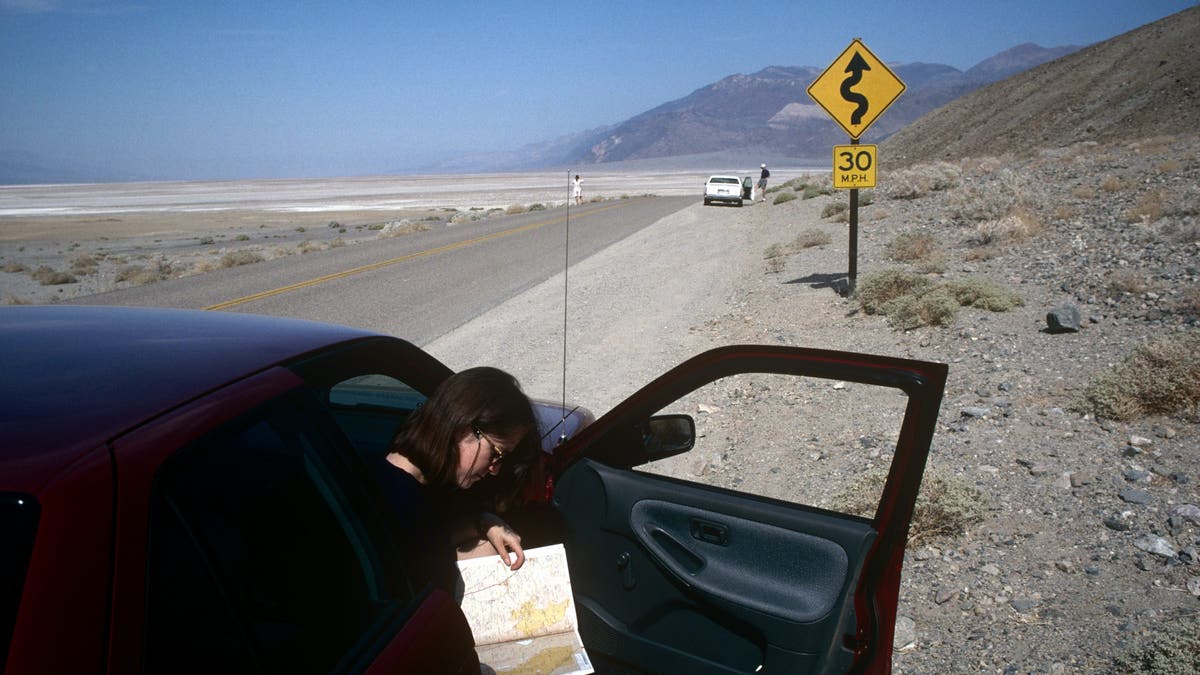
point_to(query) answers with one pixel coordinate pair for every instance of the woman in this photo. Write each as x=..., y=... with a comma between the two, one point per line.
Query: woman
x=477, y=424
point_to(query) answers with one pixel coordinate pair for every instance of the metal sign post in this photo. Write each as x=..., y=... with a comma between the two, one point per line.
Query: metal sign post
x=855, y=90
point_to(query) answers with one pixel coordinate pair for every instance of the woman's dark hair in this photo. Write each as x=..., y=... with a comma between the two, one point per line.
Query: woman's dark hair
x=485, y=399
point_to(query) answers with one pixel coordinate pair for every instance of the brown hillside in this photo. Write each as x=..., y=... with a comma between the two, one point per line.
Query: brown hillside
x=1143, y=83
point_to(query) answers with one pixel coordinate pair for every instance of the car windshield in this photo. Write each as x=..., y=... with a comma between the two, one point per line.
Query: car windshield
x=18, y=522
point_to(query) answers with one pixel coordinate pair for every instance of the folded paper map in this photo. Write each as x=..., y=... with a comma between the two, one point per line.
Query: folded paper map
x=524, y=621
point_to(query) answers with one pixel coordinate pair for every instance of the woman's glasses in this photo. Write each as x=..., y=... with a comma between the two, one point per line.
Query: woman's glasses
x=497, y=453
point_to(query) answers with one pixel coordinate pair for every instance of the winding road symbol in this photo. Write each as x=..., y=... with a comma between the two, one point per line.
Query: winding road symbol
x=856, y=68
x=856, y=88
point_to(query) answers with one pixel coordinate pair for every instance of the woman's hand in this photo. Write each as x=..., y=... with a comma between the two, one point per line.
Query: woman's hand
x=503, y=539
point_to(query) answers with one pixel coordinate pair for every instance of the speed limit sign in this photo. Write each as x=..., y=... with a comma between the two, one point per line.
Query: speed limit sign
x=854, y=166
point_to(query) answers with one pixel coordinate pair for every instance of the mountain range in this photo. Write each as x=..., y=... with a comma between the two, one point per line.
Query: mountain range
x=765, y=115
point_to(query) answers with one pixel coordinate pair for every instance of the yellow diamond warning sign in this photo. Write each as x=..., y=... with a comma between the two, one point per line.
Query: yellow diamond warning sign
x=856, y=88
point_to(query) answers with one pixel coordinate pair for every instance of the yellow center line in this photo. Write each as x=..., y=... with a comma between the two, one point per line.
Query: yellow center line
x=405, y=258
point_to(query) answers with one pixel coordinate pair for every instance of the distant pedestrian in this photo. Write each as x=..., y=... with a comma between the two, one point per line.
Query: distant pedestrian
x=762, y=182
x=578, y=189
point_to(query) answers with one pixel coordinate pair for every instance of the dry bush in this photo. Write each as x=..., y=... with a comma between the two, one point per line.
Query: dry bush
x=1017, y=226
x=138, y=275
x=48, y=276
x=992, y=198
x=921, y=180
x=1083, y=192
x=238, y=258
x=10, y=299
x=1121, y=282
x=1189, y=301
x=833, y=209
x=203, y=266
x=775, y=251
x=878, y=289
x=985, y=252
x=14, y=267
x=1149, y=207
x=911, y=300
x=1173, y=650
x=810, y=238
x=1110, y=184
x=516, y=209
x=83, y=264
x=910, y=246
x=946, y=504
x=1064, y=212
x=398, y=228
x=308, y=246
x=936, y=307
x=983, y=294
x=1170, y=166
x=1161, y=377
x=776, y=264
x=784, y=197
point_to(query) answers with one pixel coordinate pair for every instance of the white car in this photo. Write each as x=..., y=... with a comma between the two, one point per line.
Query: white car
x=725, y=189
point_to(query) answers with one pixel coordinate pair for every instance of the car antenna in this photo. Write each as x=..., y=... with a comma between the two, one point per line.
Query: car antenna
x=562, y=431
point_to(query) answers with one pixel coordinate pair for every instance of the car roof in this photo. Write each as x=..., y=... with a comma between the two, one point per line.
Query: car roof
x=75, y=377
x=725, y=175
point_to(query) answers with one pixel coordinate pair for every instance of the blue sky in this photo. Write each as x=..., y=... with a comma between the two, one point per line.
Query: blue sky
x=208, y=89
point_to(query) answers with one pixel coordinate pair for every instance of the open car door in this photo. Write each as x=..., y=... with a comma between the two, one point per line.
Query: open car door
x=675, y=569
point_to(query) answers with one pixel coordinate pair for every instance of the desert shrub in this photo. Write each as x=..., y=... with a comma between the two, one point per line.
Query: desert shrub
x=909, y=246
x=308, y=246
x=15, y=267
x=1189, y=301
x=137, y=275
x=776, y=264
x=48, y=276
x=946, y=505
x=1125, y=281
x=866, y=197
x=834, y=209
x=920, y=180
x=516, y=209
x=983, y=294
x=84, y=264
x=1016, y=226
x=783, y=197
x=876, y=290
x=912, y=300
x=1110, y=184
x=302, y=229
x=936, y=307
x=335, y=225
x=337, y=243
x=10, y=299
x=809, y=239
x=238, y=258
x=1083, y=192
x=811, y=191
x=775, y=251
x=1148, y=208
x=1161, y=377
x=242, y=237
x=206, y=241
x=537, y=207
x=1174, y=650
x=397, y=228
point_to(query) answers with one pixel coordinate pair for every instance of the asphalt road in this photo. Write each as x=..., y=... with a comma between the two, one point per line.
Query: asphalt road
x=418, y=286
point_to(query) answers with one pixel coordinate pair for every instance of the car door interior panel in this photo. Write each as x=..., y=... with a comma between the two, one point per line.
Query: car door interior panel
x=723, y=570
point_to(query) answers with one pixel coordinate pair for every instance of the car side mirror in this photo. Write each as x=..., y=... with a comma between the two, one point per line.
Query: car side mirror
x=668, y=435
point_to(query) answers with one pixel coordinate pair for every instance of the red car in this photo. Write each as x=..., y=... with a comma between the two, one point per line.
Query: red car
x=186, y=492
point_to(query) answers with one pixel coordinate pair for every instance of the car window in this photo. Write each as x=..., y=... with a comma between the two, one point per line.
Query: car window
x=734, y=181
x=370, y=409
x=838, y=466
x=263, y=552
